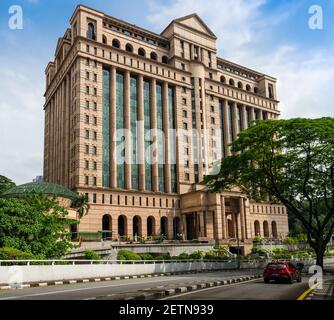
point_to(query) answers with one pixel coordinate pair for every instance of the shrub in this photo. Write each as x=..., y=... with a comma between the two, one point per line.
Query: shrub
x=127, y=255
x=183, y=256
x=8, y=253
x=91, y=255
x=290, y=240
x=197, y=255
x=146, y=256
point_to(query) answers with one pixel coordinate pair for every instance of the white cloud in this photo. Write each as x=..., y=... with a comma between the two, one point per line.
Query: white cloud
x=245, y=35
x=21, y=123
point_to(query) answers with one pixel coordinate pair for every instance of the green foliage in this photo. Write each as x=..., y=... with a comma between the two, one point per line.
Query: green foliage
x=258, y=239
x=291, y=162
x=5, y=184
x=127, y=255
x=36, y=225
x=290, y=240
x=146, y=256
x=183, y=256
x=91, y=255
x=196, y=255
x=259, y=251
x=81, y=204
x=7, y=253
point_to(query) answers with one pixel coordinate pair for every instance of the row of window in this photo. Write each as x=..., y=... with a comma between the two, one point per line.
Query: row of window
x=131, y=200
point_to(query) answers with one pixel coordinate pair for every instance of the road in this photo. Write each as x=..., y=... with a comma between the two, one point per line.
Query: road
x=252, y=290
x=126, y=288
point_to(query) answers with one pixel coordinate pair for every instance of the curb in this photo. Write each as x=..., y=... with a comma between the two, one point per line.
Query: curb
x=16, y=286
x=190, y=288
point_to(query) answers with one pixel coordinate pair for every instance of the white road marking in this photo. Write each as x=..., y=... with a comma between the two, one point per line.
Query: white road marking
x=207, y=289
x=83, y=289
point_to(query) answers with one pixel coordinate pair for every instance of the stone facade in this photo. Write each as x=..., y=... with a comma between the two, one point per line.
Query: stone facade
x=107, y=71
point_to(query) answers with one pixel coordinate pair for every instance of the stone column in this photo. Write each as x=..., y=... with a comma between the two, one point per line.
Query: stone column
x=155, y=185
x=260, y=114
x=170, y=228
x=244, y=117
x=252, y=114
x=129, y=227
x=141, y=133
x=114, y=227
x=242, y=218
x=184, y=226
x=223, y=212
x=202, y=225
x=209, y=224
x=235, y=120
x=144, y=227
x=226, y=128
x=113, y=164
x=234, y=224
x=218, y=223
x=165, y=102
x=127, y=127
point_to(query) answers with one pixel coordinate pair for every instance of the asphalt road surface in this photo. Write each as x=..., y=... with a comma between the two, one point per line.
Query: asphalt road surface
x=111, y=290
x=252, y=290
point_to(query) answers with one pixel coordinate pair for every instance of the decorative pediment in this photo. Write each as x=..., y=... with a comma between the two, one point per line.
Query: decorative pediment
x=194, y=22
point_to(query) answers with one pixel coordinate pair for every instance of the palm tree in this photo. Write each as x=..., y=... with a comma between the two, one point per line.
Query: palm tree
x=81, y=205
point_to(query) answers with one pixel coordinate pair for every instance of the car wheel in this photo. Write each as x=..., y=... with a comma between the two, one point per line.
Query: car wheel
x=266, y=280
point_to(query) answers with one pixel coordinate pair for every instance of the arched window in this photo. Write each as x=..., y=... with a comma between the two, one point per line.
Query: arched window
x=141, y=52
x=104, y=39
x=137, y=226
x=129, y=47
x=164, y=226
x=150, y=226
x=222, y=79
x=231, y=82
x=256, y=90
x=91, y=31
x=240, y=85
x=122, y=226
x=266, y=229
x=248, y=87
x=274, y=229
x=257, y=229
x=164, y=59
x=116, y=43
x=154, y=56
x=106, y=227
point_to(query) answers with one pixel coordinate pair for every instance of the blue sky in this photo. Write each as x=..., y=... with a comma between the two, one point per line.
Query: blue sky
x=268, y=35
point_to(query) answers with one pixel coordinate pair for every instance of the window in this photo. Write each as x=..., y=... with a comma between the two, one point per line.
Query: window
x=95, y=135
x=95, y=50
x=95, y=64
x=184, y=90
x=184, y=101
x=94, y=150
x=94, y=198
x=86, y=180
x=231, y=82
x=182, y=45
x=95, y=106
x=183, y=66
x=87, y=48
x=87, y=61
x=213, y=121
x=104, y=39
x=187, y=177
x=95, y=121
x=141, y=52
x=185, y=126
x=116, y=43
x=271, y=91
x=87, y=134
x=187, y=164
x=256, y=90
x=212, y=109
x=87, y=104
x=94, y=181
x=248, y=87
x=94, y=165
x=129, y=47
x=86, y=164
x=154, y=56
x=240, y=85
x=87, y=90
x=87, y=119
x=210, y=75
x=95, y=92
x=222, y=79
x=164, y=60
x=86, y=149
x=95, y=77
x=91, y=31
x=184, y=113
x=87, y=75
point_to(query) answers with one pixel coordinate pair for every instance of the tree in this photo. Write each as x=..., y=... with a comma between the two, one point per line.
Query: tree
x=291, y=162
x=5, y=184
x=35, y=224
x=81, y=204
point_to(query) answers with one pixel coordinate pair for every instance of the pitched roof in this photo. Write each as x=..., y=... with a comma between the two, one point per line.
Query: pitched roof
x=194, y=22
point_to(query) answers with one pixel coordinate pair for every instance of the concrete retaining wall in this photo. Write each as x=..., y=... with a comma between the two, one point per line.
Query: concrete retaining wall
x=29, y=274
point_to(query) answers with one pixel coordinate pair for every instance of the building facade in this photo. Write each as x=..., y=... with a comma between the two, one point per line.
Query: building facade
x=180, y=105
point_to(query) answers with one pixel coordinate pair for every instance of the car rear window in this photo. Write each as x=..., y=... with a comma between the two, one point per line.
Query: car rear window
x=276, y=265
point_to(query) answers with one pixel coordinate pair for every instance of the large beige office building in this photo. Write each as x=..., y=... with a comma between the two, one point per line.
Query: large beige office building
x=108, y=75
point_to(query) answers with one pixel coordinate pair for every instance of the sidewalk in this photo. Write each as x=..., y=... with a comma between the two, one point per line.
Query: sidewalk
x=326, y=293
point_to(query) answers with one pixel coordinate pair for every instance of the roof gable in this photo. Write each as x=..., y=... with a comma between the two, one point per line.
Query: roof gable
x=194, y=22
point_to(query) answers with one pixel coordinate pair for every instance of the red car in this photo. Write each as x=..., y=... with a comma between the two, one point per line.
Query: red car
x=283, y=270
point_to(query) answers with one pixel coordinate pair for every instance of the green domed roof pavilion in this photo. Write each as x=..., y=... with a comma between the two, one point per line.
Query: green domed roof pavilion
x=45, y=188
